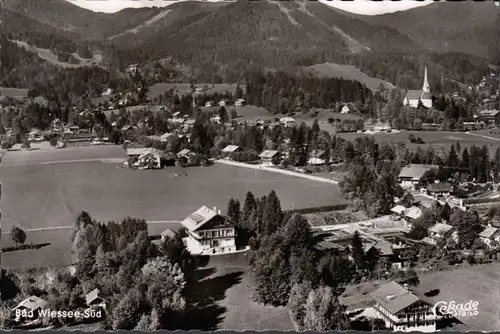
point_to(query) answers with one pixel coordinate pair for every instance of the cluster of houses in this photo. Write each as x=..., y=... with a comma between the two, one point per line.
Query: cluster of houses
x=223, y=103
x=29, y=311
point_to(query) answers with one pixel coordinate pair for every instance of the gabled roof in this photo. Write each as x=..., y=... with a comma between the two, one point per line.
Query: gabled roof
x=414, y=94
x=399, y=209
x=429, y=241
x=177, y=113
x=393, y=297
x=143, y=150
x=317, y=154
x=415, y=171
x=440, y=187
x=190, y=121
x=91, y=296
x=488, y=232
x=32, y=303
x=128, y=127
x=199, y=218
x=168, y=233
x=414, y=212
x=384, y=248
x=489, y=112
x=268, y=154
x=184, y=152
x=165, y=135
x=286, y=119
x=230, y=148
x=440, y=228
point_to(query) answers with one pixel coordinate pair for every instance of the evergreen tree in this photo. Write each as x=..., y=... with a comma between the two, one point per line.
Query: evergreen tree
x=249, y=207
x=272, y=215
x=233, y=211
x=357, y=251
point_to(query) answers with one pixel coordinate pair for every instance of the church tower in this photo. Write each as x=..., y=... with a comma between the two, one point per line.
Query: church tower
x=426, y=88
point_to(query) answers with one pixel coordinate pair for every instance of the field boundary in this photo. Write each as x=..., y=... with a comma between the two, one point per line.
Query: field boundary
x=276, y=170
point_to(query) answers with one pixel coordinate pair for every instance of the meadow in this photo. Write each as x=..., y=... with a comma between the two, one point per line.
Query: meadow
x=436, y=139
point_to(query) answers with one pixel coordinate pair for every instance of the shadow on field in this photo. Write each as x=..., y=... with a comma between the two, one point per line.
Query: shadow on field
x=203, y=273
x=206, y=315
x=24, y=247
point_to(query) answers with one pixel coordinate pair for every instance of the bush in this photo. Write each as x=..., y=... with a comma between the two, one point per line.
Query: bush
x=6, y=145
x=17, y=235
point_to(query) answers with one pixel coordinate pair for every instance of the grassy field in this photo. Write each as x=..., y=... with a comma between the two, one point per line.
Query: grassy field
x=52, y=194
x=225, y=302
x=477, y=283
x=348, y=72
x=436, y=139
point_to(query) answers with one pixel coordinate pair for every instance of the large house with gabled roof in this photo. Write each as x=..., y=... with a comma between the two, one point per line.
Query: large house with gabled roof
x=402, y=310
x=209, y=232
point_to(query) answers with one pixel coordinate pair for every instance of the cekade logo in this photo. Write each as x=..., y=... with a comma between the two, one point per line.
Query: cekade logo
x=454, y=309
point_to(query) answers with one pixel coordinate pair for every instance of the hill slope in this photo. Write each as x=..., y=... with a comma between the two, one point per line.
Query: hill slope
x=463, y=26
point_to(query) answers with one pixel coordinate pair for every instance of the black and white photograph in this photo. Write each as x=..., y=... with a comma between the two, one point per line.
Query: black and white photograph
x=243, y=165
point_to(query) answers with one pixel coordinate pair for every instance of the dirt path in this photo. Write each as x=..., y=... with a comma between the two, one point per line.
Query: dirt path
x=482, y=136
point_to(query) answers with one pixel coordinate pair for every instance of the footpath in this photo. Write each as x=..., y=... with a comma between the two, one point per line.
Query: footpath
x=277, y=170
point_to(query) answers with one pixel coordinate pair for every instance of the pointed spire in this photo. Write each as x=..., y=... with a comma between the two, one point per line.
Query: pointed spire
x=426, y=87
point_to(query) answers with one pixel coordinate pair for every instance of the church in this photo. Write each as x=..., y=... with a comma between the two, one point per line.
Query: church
x=414, y=96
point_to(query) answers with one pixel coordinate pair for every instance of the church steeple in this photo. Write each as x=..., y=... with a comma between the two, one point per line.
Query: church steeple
x=426, y=87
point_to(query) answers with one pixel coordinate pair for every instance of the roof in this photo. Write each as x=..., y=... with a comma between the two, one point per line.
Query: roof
x=287, y=119
x=142, y=150
x=199, y=218
x=230, y=148
x=414, y=212
x=488, y=232
x=177, y=113
x=91, y=296
x=414, y=94
x=317, y=153
x=429, y=241
x=32, y=303
x=440, y=228
x=268, y=154
x=165, y=135
x=415, y=171
x=127, y=127
x=384, y=248
x=440, y=187
x=393, y=297
x=168, y=233
x=426, y=96
x=190, y=121
x=489, y=112
x=184, y=152
x=399, y=209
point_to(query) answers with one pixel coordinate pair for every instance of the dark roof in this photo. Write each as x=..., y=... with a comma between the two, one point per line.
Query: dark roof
x=393, y=297
x=440, y=187
x=414, y=94
x=415, y=171
x=426, y=96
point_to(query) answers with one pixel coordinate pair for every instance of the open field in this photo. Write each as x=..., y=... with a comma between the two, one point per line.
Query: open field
x=52, y=194
x=436, y=139
x=185, y=88
x=477, y=283
x=349, y=72
x=225, y=302
x=48, y=55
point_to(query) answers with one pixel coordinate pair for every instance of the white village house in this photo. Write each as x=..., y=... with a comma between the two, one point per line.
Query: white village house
x=209, y=232
x=402, y=310
x=490, y=234
x=411, y=176
x=287, y=121
x=267, y=156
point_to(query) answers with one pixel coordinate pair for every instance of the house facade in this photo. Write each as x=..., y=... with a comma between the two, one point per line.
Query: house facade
x=209, y=232
x=268, y=156
x=411, y=176
x=402, y=310
x=490, y=234
x=440, y=189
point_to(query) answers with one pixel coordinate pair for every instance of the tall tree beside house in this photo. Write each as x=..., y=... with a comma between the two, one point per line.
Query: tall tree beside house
x=452, y=160
x=233, y=211
x=239, y=92
x=357, y=251
x=175, y=249
x=335, y=270
x=272, y=215
x=272, y=277
x=323, y=312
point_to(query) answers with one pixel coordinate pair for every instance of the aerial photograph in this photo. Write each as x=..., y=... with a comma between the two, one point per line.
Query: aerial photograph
x=249, y=165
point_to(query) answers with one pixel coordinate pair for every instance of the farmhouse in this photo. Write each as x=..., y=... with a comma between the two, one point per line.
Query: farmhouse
x=287, y=121
x=186, y=157
x=226, y=152
x=413, y=97
x=490, y=234
x=440, y=189
x=413, y=213
x=222, y=103
x=399, y=211
x=317, y=157
x=411, y=176
x=56, y=125
x=470, y=126
x=268, y=156
x=32, y=303
x=401, y=310
x=167, y=234
x=490, y=116
x=382, y=127
x=209, y=232
x=239, y=103
x=94, y=301
x=215, y=119
x=208, y=104
x=345, y=109
x=440, y=231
